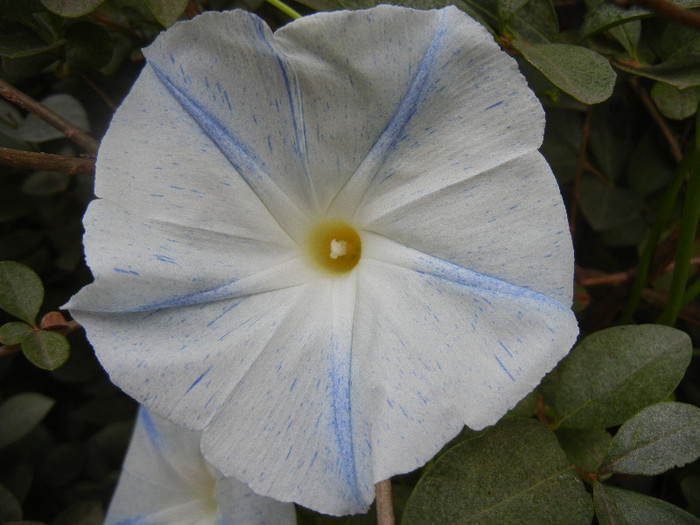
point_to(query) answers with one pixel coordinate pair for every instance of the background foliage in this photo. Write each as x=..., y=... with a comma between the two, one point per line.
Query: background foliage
x=611, y=435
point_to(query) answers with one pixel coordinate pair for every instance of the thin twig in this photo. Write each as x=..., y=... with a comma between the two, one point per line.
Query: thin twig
x=673, y=145
x=31, y=160
x=100, y=92
x=385, y=504
x=55, y=120
x=580, y=165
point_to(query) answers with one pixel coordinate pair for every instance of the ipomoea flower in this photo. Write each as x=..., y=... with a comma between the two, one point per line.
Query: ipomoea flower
x=166, y=480
x=328, y=248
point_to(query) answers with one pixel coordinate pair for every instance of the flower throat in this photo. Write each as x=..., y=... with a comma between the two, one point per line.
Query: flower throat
x=334, y=247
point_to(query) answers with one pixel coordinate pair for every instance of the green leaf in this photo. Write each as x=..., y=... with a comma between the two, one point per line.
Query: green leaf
x=535, y=21
x=13, y=333
x=71, y=8
x=605, y=207
x=614, y=373
x=10, y=509
x=24, y=45
x=581, y=72
x=657, y=439
x=584, y=447
x=614, y=506
x=601, y=14
x=20, y=414
x=681, y=69
x=21, y=291
x=627, y=35
x=46, y=183
x=88, y=46
x=33, y=129
x=167, y=11
x=47, y=350
x=649, y=168
x=675, y=103
x=515, y=473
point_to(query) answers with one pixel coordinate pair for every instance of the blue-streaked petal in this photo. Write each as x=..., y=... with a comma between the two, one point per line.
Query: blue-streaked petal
x=183, y=362
x=227, y=73
x=436, y=345
x=448, y=96
x=509, y=223
x=165, y=479
x=287, y=428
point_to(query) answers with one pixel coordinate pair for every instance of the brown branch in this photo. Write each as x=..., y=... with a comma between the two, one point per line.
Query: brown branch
x=100, y=92
x=673, y=145
x=55, y=120
x=580, y=165
x=46, y=161
x=385, y=504
x=672, y=12
x=192, y=9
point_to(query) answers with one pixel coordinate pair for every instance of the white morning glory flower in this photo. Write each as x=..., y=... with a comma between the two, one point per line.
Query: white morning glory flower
x=165, y=480
x=329, y=247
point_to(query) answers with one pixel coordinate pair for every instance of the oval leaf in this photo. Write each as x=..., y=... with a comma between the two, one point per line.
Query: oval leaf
x=657, y=439
x=21, y=291
x=20, y=414
x=585, y=448
x=47, y=350
x=514, y=473
x=71, y=8
x=167, y=11
x=675, y=103
x=581, y=72
x=618, y=506
x=13, y=333
x=614, y=373
x=33, y=129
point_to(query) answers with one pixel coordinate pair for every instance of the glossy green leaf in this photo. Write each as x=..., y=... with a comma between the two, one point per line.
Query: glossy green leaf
x=584, y=447
x=13, y=333
x=71, y=8
x=33, y=129
x=21, y=413
x=10, y=509
x=675, y=103
x=605, y=207
x=515, y=473
x=614, y=373
x=657, y=439
x=167, y=11
x=615, y=506
x=21, y=291
x=601, y=14
x=47, y=350
x=581, y=72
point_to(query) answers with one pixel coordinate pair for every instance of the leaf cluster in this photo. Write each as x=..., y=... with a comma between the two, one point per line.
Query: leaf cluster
x=612, y=434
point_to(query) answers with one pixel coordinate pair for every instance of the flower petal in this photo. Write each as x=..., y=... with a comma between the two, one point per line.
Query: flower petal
x=286, y=429
x=384, y=86
x=165, y=479
x=436, y=345
x=508, y=222
x=225, y=70
x=141, y=264
x=183, y=362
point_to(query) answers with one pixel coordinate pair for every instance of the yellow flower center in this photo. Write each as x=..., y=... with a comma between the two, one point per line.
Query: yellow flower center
x=334, y=247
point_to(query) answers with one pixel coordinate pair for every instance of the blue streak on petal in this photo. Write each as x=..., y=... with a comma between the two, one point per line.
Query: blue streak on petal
x=504, y=368
x=150, y=428
x=505, y=348
x=121, y=270
x=494, y=105
x=198, y=379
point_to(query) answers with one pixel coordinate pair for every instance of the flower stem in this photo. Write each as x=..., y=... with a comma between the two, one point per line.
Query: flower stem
x=385, y=504
x=284, y=8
